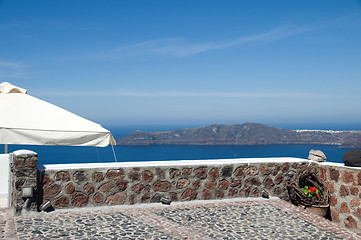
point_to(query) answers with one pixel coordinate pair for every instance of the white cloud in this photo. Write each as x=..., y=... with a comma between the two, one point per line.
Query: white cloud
x=12, y=65
x=11, y=25
x=10, y=70
x=179, y=47
x=174, y=93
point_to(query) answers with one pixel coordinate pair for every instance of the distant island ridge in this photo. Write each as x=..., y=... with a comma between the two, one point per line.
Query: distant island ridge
x=243, y=134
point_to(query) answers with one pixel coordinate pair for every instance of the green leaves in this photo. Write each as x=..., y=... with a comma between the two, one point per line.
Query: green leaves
x=311, y=191
x=305, y=190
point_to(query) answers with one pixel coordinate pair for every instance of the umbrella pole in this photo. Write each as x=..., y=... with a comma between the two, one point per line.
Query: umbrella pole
x=115, y=157
x=6, y=149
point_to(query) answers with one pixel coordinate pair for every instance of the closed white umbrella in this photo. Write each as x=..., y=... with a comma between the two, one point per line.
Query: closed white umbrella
x=27, y=120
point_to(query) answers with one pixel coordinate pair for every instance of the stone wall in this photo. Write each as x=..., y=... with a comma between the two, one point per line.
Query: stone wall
x=84, y=185
x=25, y=173
x=81, y=187
x=344, y=184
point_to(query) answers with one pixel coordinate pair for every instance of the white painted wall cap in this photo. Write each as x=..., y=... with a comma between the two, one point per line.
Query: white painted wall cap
x=23, y=152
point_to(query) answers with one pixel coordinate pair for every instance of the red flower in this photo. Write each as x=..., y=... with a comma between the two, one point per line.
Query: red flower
x=318, y=195
x=312, y=189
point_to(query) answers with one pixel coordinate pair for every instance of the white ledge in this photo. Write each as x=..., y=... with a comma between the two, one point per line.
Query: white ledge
x=173, y=163
x=338, y=165
x=24, y=152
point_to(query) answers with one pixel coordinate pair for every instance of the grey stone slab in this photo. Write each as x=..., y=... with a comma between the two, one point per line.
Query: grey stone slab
x=256, y=221
x=111, y=226
x=222, y=220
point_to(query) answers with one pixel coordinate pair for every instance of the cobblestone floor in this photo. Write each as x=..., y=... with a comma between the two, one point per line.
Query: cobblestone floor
x=7, y=225
x=226, y=219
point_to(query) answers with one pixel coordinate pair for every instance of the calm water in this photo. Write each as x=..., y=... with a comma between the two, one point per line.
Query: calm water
x=61, y=154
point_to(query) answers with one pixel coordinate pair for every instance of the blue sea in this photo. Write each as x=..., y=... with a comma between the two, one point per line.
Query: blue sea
x=65, y=154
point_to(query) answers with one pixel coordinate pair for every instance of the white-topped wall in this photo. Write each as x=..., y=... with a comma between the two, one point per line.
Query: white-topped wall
x=4, y=179
x=97, y=184
x=173, y=163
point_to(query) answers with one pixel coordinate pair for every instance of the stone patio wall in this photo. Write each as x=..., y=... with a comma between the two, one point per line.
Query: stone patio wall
x=344, y=184
x=134, y=183
x=69, y=188
x=25, y=173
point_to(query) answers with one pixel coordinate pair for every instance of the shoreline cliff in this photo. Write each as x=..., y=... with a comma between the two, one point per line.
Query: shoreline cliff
x=243, y=134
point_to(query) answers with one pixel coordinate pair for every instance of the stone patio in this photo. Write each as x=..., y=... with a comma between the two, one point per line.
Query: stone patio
x=243, y=218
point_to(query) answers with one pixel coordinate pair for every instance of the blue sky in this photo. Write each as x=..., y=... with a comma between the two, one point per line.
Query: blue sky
x=188, y=62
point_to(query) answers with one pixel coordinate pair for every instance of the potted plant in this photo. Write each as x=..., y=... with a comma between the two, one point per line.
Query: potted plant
x=307, y=191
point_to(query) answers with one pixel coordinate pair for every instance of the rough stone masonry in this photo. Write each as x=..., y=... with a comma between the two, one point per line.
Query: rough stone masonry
x=70, y=188
x=121, y=184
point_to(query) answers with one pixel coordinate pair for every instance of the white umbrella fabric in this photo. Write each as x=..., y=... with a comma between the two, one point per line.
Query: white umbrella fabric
x=27, y=120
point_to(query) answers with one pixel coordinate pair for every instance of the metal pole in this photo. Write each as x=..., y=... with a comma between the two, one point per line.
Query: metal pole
x=6, y=149
x=115, y=157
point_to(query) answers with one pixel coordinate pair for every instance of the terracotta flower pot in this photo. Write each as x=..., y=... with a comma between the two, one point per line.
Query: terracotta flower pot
x=321, y=210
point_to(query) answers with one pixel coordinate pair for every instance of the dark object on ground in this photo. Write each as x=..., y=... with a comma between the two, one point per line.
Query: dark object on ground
x=265, y=193
x=165, y=200
x=298, y=197
x=352, y=158
x=47, y=207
